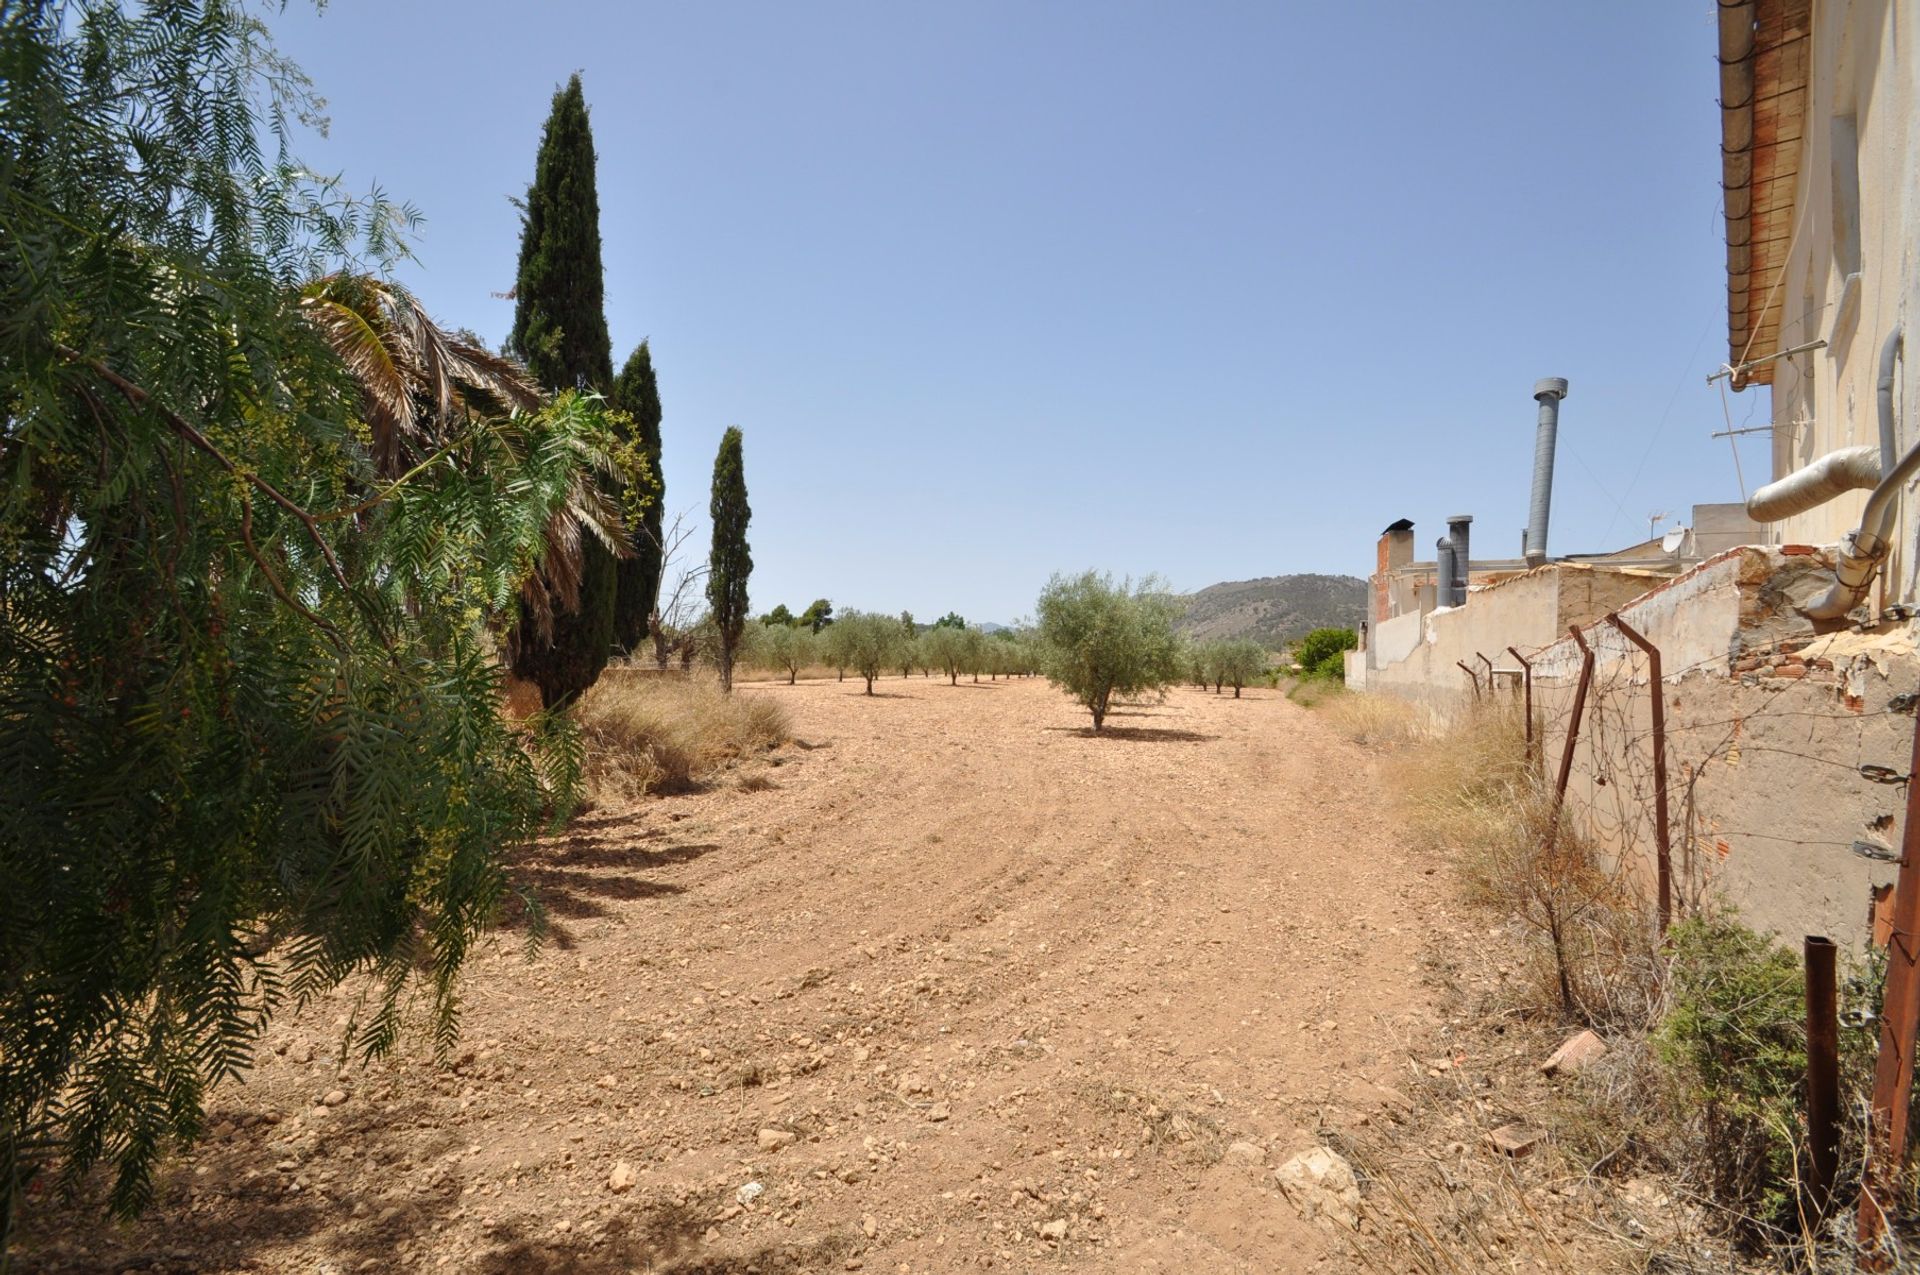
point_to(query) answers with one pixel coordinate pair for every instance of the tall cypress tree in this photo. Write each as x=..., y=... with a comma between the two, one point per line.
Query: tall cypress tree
x=730, y=562
x=636, y=393
x=560, y=331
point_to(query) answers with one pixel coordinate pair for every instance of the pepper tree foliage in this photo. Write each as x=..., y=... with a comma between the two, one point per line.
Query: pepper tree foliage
x=730, y=562
x=636, y=393
x=250, y=732
x=560, y=331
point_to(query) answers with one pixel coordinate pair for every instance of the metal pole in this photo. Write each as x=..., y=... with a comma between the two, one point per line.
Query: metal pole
x=1823, y=1070
x=1489, y=663
x=1663, y=844
x=1470, y=673
x=1526, y=667
x=1893, y=1070
x=1573, y=730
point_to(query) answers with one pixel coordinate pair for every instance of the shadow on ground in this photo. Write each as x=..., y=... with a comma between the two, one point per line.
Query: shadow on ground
x=598, y=861
x=353, y=1188
x=1137, y=734
x=666, y=1238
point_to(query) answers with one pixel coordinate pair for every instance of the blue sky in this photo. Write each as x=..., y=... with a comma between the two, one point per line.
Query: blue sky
x=997, y=289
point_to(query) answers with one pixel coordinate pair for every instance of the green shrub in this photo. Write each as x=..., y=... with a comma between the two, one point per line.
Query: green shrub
x=1318, y=653
x=1734, y=1043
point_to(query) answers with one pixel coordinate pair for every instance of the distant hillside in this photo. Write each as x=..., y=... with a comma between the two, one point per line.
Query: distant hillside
x=1277, y=609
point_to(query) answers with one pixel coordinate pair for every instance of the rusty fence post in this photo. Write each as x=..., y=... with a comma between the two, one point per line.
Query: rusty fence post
x=1470, y=673
x=1662, y=834
x=1823, y=1071
x=1573, y=734
x=1893, y=1069
x=1489, y=663
x=1526, y=680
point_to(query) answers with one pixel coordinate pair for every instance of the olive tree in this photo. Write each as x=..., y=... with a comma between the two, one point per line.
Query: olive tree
x=785, y=648
x=973, y=652
x=945, y=648
x=1103, y=641
x=869, y=642
x=834, y=649
x=1238, y=662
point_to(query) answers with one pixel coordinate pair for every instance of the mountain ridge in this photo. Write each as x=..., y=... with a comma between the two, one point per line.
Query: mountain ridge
x=1275, y=610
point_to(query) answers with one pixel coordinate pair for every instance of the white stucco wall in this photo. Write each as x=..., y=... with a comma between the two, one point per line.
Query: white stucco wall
x=1863, y=114
x=1768, y=726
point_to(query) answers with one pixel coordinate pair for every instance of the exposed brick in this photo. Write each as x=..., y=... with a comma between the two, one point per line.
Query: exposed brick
x=1791, y=672
x=1799, y=551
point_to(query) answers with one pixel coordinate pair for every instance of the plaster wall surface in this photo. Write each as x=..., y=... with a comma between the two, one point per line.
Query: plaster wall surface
x=1780, y=741
x=1529, y=611
x=1852, y=273
x=1391, y=641
x=1768, y=728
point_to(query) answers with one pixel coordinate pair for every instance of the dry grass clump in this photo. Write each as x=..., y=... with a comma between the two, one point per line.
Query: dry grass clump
x=1477, y=796
x=1702, y=1085
x=1312, y=692
x=646, y=734
x=1369, y=718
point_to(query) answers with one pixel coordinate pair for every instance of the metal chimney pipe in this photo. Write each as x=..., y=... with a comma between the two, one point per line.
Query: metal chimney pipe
x=1443, y=573
x=1462, y=561
x=1547, y=392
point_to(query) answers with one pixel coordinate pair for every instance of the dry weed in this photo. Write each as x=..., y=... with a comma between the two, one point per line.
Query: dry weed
x=1476, y=795
x=1312, y=692
x=665, y=734
x=1369, y=718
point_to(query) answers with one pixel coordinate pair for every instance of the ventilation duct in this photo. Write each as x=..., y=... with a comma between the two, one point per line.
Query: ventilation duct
x=1462, y=561
x=1547, y=393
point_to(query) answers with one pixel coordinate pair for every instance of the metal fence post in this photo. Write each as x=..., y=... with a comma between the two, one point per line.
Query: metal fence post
x=1470, y=673
x=1526, y=678
x=1823, y=1070
x=1661, y=834
x=1893, y=1070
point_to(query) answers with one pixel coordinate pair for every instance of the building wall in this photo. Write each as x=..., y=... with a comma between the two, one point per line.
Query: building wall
x=1857, y=211
x=1768, y=728
x=1720, y=527
x=1419, y=656
x=1769, y=725
x=1392, y=641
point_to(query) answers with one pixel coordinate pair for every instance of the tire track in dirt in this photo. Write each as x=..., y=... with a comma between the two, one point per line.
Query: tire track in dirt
x=965, y=988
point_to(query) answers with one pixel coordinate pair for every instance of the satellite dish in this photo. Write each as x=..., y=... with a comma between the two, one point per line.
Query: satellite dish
x=1671, y=542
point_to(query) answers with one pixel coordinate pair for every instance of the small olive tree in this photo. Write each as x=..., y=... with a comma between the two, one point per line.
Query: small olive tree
x=1239, y=662
x=1103, y=641
x=945, y=648
x=973, y=652
x=786, y=648
x=868, y=642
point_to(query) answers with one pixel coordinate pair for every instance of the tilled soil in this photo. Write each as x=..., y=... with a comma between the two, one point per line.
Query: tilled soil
x=949, y=982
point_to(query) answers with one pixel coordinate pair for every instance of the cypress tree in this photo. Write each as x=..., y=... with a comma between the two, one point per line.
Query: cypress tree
x=730, y=562
x=636, y=393
x=560, y=331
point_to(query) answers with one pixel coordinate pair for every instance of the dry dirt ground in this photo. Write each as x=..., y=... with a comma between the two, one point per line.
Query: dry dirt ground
x=947, y=983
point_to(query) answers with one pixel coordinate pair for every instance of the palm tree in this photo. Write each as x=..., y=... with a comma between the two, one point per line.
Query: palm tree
x=424, y=393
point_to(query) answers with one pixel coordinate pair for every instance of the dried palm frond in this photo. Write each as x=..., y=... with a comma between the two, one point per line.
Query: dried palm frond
x=418, y=381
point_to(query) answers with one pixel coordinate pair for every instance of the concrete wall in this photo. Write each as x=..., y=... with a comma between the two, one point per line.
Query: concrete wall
x=1768, y=724
x=1418, y=657
x=1859, y=167
x=1768, y=727
x=1391, y=641
x=1718, y=528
